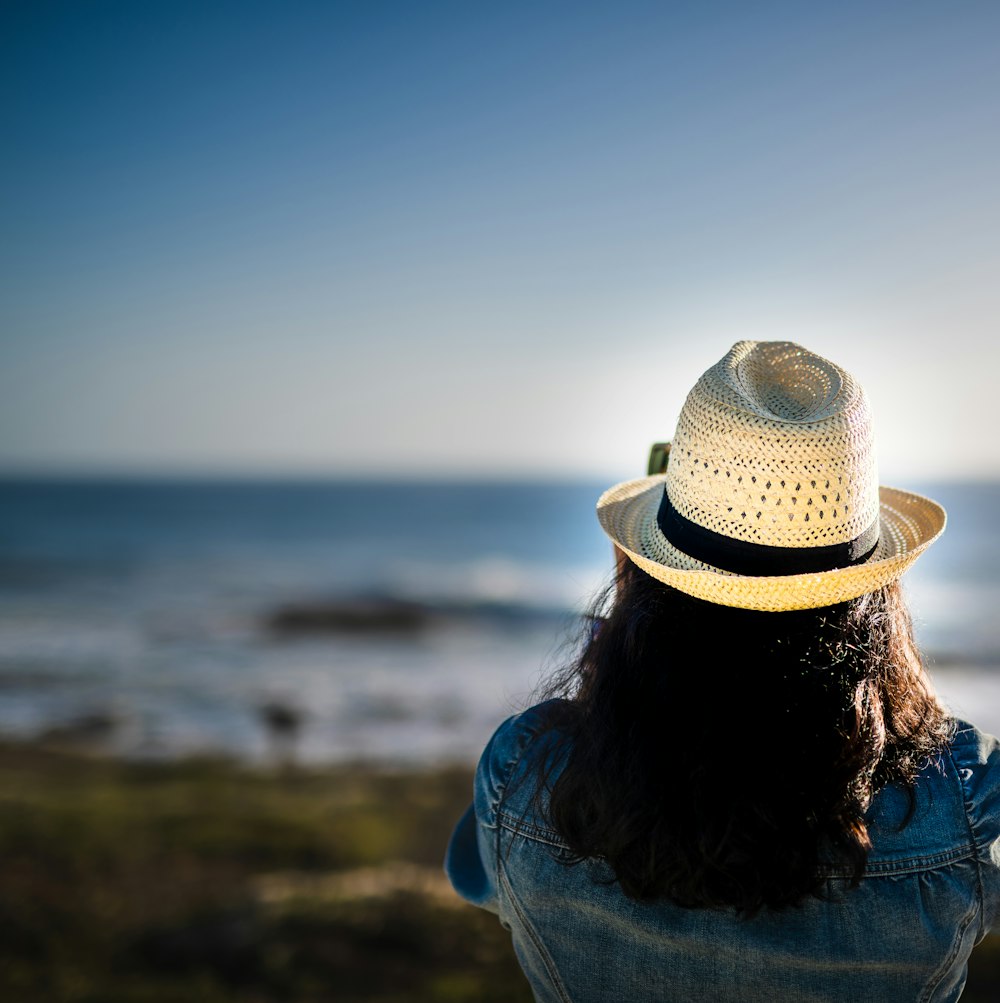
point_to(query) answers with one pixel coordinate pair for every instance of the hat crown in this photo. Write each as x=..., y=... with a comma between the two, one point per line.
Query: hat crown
x=780, y=381
x=774, y=446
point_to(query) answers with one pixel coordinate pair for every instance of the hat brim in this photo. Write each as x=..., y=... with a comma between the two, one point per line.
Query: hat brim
x=909, y=524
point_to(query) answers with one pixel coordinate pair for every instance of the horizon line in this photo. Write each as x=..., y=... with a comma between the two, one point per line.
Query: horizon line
x=151, y=475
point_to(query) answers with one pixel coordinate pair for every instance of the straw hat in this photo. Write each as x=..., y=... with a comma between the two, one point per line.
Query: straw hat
x=770, y=500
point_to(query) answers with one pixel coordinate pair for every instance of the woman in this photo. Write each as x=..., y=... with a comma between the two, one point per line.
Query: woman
x=745, y=787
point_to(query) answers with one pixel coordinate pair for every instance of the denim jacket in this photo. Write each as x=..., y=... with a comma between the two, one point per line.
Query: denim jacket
x=930, y=892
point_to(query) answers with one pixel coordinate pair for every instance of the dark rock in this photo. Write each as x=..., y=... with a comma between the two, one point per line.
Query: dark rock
x=353, y=616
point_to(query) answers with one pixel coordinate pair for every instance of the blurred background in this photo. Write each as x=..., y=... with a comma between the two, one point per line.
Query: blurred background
x=323, y=325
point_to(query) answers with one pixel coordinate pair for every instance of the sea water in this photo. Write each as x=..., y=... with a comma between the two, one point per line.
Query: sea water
x=333, y=620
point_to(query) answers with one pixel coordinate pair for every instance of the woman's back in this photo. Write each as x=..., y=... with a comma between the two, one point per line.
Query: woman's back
x=930, y=892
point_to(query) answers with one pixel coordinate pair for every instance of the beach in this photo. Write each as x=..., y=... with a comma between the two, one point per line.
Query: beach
x=167, y=618
x=239, y=720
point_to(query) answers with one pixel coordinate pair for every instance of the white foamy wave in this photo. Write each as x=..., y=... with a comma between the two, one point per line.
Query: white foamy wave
x=498, y=579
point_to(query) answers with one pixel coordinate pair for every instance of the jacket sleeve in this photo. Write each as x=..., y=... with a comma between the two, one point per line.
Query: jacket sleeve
x=471, y=858
x=981, y=779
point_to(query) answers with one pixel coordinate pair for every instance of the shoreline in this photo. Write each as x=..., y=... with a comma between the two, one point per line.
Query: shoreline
x=285, y=731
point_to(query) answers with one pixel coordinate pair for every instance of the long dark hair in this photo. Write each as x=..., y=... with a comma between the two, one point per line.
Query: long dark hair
x=714, y=756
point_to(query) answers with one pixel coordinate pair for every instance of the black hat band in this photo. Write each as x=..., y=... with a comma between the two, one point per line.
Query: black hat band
x=757, y=559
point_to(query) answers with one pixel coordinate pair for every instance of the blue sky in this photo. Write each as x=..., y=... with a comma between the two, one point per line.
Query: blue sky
x=485, y=240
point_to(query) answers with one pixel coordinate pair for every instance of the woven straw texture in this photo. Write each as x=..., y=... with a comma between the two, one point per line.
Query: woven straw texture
x=774, y=446
x=909, y=524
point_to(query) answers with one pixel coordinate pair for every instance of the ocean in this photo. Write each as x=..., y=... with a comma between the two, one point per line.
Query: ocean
x=340, y=621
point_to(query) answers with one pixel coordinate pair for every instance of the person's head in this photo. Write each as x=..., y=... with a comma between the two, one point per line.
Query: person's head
x=731, y=719
x=770, y=498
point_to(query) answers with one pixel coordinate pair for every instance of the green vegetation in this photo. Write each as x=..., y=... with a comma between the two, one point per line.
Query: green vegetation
x=201, y=880
x=205, y=881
